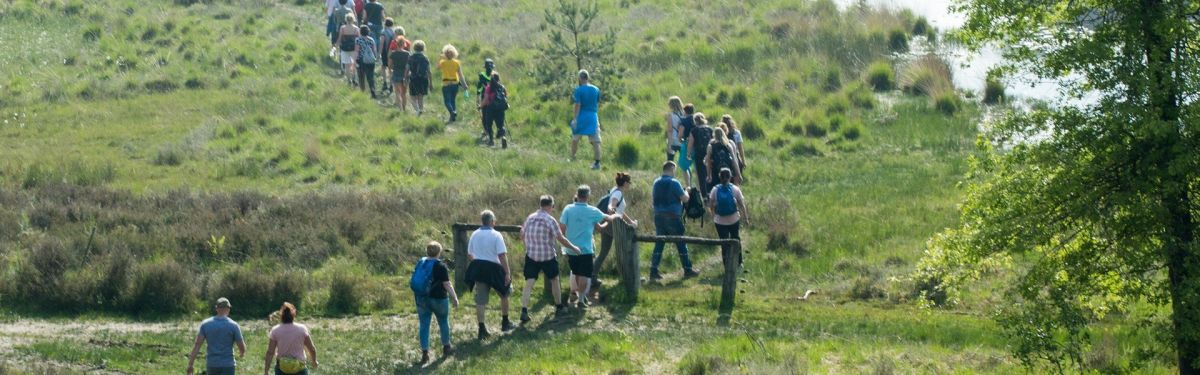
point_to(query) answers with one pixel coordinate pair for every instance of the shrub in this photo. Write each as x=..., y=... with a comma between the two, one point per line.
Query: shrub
x=930, y=288
x=162, y=287
x=836, y=104
x=170, y=155
x=947, y=103
x=993, y=91
x=880, y=76
x=805, y=147
x=39, y=282
x=867, y=287
x=345, y=292
x=651, y=127
x=860, y=96
x=851, y=132
x=814, y=127
x=898, y=41
x=921, y=26
x=257, y=292
x=928, y=76
x=627, y=153
x=384, y=253
x=739, y=99
x=751, y=130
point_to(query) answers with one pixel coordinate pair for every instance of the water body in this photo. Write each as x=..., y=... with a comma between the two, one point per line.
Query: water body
x=970, y=68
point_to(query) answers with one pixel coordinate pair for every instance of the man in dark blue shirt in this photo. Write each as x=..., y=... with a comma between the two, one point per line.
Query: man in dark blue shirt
x=668, y=198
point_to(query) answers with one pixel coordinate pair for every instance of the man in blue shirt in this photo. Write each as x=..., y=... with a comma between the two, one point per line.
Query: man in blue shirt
x=587, y=117
x=579, y=221
x=668, y=199
x=221, y=333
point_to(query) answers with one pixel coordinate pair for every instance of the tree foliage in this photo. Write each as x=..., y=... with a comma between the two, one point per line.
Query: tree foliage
x=1091, y=205
x=573, y=43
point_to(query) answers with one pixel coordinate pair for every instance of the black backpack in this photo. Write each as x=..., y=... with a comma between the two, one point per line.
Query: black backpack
x=694, y=209
x=604, y=201
x=703, y=135
x=722, y=157
x=500, y=101
x=418, y=66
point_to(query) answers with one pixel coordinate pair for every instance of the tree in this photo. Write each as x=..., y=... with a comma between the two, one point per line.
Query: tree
x=1094, y=204
x=570, y=40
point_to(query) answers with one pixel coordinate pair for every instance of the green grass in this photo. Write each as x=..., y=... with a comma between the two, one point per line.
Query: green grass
x=218, y=136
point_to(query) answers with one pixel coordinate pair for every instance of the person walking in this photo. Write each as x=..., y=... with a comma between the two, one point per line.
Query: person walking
x=385, y=62
x=735, y=135
x=368, y=55
x=221, y=333
x=337, y=18
x=616, y=205
x=674, y=127
x=668, y=198
x=480, y=85
x=686, y=124
x=290, y=345
x=586, y=122
x=398, y=57
x=721, y=154
x=494, y=106
x=579, y=221
x=332, y=5
x=436, y=301
x=419, y=77
x=701, y=136
x=728, y=208
x=538, y=234
x=489, y=270
x=452, y=79
x=347, y=43
x=373, y=17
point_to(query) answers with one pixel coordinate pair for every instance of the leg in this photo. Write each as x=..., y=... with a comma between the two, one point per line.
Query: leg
x=525, y=294
x=481, y=300
x=596, y=148
x=448, y=92
x=498, y=119
x=556, y=289
x=574, y=146
x=362, y=72
x=423, y=314
x=661, y=228
x=606, y=242
x=441, y=308
x=487, y=124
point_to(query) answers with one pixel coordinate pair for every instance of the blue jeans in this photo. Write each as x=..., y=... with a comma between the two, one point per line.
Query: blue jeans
x=668, y=225
x=426, y=309
x=449, y=97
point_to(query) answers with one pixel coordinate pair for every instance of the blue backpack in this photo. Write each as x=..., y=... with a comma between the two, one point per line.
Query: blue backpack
x=422, y=278
x=726, y=203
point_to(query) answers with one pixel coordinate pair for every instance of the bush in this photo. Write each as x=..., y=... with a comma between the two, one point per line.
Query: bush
x=751, y=130
x=947, y=103
x=921, y=26
x=739, y=99
x=851, y=132
x=162, y=287
x=345, y=292
x=898, y=41
x=170, y=155
x=627, y=153
x=993, y=91
x=928, y=76
x=860, y=96
x=930, y=288
x=880, y=76
x=257, y=292
x=39, y=281
x=867, y=287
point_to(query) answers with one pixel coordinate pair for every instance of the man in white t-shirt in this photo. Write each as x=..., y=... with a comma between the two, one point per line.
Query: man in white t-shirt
x=330, y=5
x=488, y=270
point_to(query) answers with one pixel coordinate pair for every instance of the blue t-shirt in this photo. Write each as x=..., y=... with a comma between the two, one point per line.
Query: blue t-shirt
x=667, y=195
x=588, y=98
x=221, y=334
x=581, y=220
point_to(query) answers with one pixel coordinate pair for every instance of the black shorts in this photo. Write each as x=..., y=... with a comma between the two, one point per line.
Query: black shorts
x=533, y=268
x=487, y=273
x=581, y=265
x=418, y=87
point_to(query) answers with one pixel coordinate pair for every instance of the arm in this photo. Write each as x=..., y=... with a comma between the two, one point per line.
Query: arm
x=462, y=80
x=691, y=143
x=504, y=263
x=269, y=356
x=567, y=243
x=312, y=350
x=669, y=127
x=450, y=290
x=708, y=161
x=195, y=351
x=241, y=344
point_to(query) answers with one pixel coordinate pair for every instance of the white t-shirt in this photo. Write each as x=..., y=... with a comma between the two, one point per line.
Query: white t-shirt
x=486, y=244
x=616, y=197
x=673, y=138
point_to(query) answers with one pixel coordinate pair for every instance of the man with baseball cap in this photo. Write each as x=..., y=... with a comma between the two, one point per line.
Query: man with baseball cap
x=221, y=333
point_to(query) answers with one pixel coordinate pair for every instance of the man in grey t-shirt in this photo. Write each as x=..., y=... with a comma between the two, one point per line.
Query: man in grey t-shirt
x=221, y=333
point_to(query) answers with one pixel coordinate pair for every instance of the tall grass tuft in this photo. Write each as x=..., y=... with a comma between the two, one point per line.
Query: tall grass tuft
x=627, y=153
x=880, y=76
x=928, y=75
x=993, y=91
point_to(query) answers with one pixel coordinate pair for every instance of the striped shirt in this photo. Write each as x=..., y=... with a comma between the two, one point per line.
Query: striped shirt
x=539, y=233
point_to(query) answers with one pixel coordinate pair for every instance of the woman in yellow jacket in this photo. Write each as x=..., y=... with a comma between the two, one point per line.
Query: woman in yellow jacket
x=452, y=79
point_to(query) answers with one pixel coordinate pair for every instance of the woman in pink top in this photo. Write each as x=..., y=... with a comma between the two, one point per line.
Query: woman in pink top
x=288, y=342
x=728, y=207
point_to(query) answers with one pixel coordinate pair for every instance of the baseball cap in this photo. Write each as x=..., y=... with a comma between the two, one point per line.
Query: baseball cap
x=223, y=303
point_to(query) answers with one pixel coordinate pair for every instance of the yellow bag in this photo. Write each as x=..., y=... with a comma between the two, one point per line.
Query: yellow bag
x=291, y=365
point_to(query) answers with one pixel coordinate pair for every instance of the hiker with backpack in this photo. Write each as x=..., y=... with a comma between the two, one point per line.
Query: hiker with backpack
x=485, y=76
x=368, y=55
x=452, y=80
x=686, y=124
x=337, y=12
x=434, y=294
x=579, y=221
x=539, y=233
x=586, y=122
x=736, y=136
x=385, y=42
x=728, y=208
x=290, y=344
x=419, y=76
x=668, y=199
x=614, y=203
x=488, y=270
x=721, y=154
x=373, y=17
x=347, y=44
x=398, y=58
x=701, y=136
x=221, y=334
x=494, y=105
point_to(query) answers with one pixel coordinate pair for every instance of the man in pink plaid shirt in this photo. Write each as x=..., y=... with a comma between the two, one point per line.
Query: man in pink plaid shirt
x=539, y=233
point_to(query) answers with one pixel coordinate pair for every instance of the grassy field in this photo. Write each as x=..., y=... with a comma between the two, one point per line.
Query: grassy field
x=161, y=154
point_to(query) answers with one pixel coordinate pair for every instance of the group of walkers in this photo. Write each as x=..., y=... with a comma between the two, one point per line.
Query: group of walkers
x=290, y=348
x=364, y=40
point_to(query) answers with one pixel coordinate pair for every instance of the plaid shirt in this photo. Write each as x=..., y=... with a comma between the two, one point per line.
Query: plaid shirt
x=540, y=233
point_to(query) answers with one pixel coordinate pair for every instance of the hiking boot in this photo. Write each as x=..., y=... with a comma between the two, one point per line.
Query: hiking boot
x=424, y=356
x=655, y=276
x=559, y=309
x=503, y=142
x=491, y=142
x=453, y=117
x=687, y=274
x=595, y=165
x=507, y=326
x=483, y=333
x=525, y=315
x=447, y=350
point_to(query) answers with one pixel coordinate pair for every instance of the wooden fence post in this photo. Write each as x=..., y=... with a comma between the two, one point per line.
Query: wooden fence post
x=729, y=256
x=625, y=243
x=460, y=259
